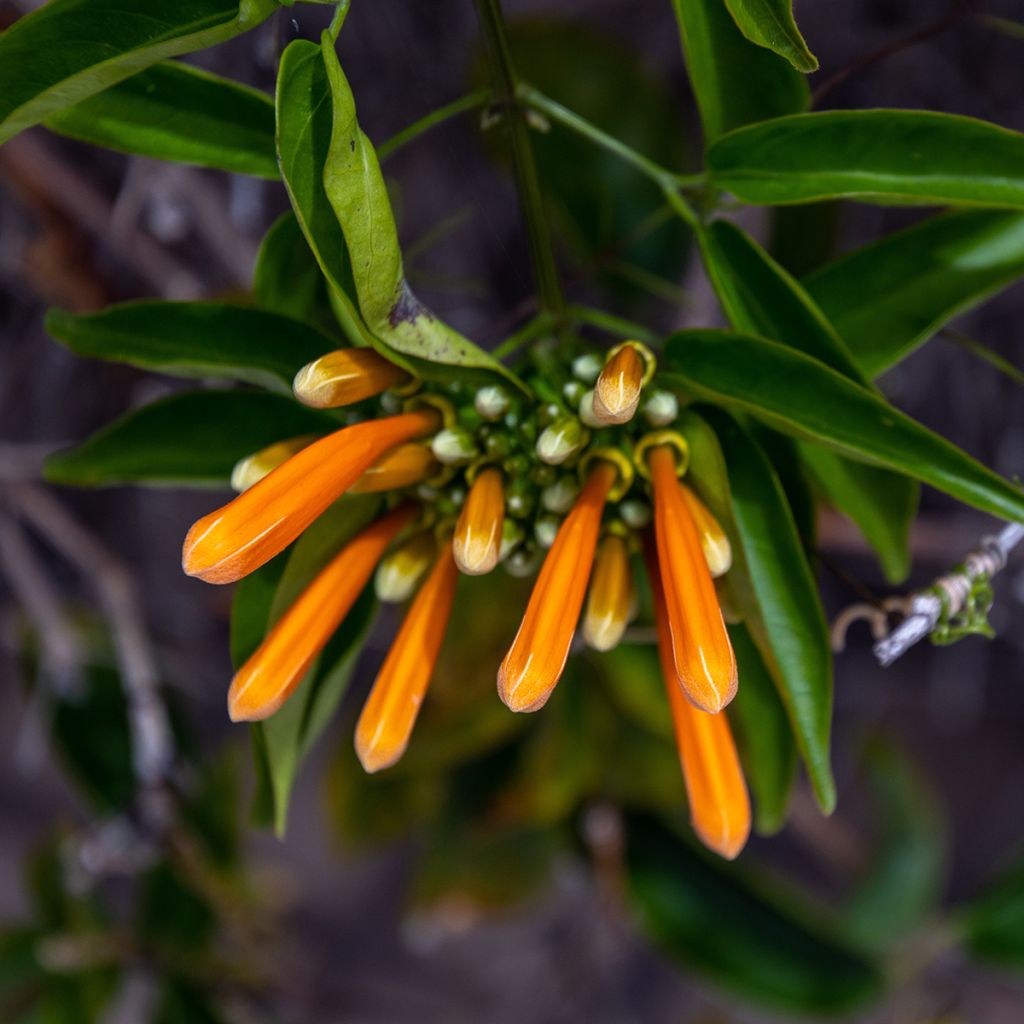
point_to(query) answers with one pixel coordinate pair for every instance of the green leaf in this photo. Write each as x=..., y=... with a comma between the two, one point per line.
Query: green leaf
x=769, y=23
x=873, y=155
x=194, y=339
x=173, y=111
x=191, y=439
x=759, y=297
x=287, y=737
x=287, y=280
x=903, y=881
x=743, y=937
x=882, y=504
x=69, y=50
x=735, y=82
x=888, y=297
x=789, y=623
x=763, y=735
x=402, y=326
x=993, y=925
x=806, y=399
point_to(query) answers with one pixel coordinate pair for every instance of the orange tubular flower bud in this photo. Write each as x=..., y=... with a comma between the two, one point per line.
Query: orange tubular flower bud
x=610, y=602
x=477, y=540
x=617, y=391
x=388, y=717
x=715, y=788
x=247, y=532
x=713, y=541
x=345, y=376
x=704, y=660
x=403, y=466
x=535, y=660
x=268, y=678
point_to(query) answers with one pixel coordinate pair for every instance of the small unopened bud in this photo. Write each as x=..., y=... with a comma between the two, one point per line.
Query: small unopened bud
x=545, y=530
x=491, y=402
x=713, y=541
x=573, y=391
x=560, y=440
x=587, y=367
x=611, y=600
x=635, y=513
x=477, y=538
x=512, y=535
x=586, y=412
x=400, y=571
x=255, y=467
x=617, y=391
x=661, y=409
x=522, y=562
x=453, y=446
x=559, y=496
x=345, y=376
x=403, y=466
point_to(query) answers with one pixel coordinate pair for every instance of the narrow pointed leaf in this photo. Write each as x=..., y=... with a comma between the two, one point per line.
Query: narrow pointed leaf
x=194, y=339
x=191, y=439
x=914, y=156
x=770, y=23
x=806, y=399
x=77, y=48
x=889, y=297
x=173, y=111
x=718, y=923
x=715, y=49
x=759, y=297
x=993, y=924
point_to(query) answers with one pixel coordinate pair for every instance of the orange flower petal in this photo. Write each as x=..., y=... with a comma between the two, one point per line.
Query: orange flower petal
x=610, y=601
x=247, y=532
x=704, y=660
x=535, y=660
x=477, y=539
x=715, y=787
x=713, y=541
x=278, y=665
x=388, y=717
x=345, y=376
x=617, y=391
x=403, y=466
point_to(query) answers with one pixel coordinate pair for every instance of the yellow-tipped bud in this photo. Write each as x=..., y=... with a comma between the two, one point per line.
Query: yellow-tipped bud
x=611, y=599
x=388, y=717
x=253, y=468
x=400, y=571
x=403, y=466
x=345, y=376
x=713, y=541
x=617, y=391
x=477, y=540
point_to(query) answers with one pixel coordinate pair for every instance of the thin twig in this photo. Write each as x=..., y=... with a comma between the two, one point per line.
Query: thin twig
x=471, y=101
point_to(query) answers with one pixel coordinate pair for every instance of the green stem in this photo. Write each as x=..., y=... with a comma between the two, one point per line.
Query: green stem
x=533, y=329
x=1004, y=366
x=531, y=199
x=612, y=324
x=471, y=101
x=340, y=14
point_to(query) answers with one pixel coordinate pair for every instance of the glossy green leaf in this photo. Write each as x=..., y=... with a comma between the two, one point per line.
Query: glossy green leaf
x=355, y=188
x=993, y=924
x=287, y=280
x=763, y=735
x=69, y=50
x=173, y=111
x=735, y=82
x=903, y=880
x=806, y=399
x=191, y=439
x=888, y=297
x=709, y=917
x=789, y=626
x=769, y=23
x=881, y=503
x=194, y=339
x=912, y=156
x=759, y=297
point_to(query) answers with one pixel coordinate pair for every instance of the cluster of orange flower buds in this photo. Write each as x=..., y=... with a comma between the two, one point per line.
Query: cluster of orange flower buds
x=571, y=487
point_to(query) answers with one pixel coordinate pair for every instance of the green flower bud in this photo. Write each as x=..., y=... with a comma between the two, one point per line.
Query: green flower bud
x=491, y=402
x=512, y=535
x=545, y=530
x=661, y=408
x=522, y=562
x=497, y=445
x=520, y=498
x=453, y=446
x=586, y=411
x=635, y=513
x=588, y=367
x=562, y=439
x=400, y=571
x=559, y=496
x=573, y=391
